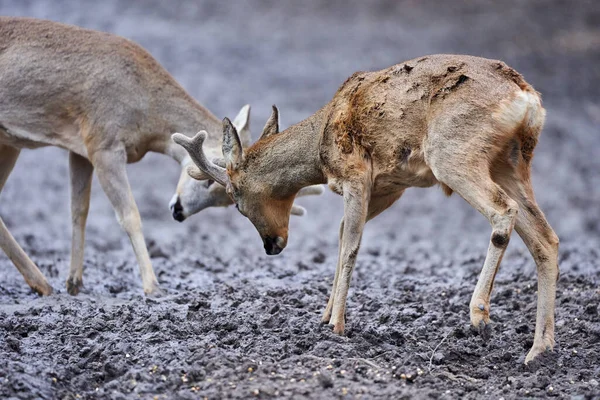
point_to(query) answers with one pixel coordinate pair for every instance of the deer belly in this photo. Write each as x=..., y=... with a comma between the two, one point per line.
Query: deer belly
x=416, y=174
x=26, y=138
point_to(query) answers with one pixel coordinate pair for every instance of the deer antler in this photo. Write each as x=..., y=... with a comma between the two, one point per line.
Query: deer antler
x=194, y=148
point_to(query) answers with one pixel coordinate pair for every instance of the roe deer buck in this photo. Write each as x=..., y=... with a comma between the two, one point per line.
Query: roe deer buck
x=108, y=102
x=467, y=123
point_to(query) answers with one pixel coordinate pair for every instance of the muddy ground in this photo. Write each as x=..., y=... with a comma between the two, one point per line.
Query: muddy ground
x=239, y=324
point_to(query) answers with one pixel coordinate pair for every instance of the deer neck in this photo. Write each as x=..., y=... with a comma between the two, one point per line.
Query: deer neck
x=290, y=159
x=185, y=115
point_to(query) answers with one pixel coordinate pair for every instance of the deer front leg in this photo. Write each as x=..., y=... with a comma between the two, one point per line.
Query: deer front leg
x=376, y=207
x=33, y=276
x=111, y=171
x=356, y=205
x=81, y=171
x=327, y=314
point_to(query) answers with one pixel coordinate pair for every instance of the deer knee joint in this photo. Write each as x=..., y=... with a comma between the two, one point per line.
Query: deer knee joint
x=130, y=222
x=505, y=219
x=512, y=210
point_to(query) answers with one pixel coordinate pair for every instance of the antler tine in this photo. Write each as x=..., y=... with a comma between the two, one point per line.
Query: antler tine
x=196, y=152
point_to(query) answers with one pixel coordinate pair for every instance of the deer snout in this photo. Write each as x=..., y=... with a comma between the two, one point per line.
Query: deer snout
x=177, y=210
x=274, y=244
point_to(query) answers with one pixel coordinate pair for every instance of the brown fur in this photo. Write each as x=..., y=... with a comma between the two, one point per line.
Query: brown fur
x=513, y=75
x=467, y=123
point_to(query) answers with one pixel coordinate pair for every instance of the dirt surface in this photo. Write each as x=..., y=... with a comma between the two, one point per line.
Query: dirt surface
x=236, y=323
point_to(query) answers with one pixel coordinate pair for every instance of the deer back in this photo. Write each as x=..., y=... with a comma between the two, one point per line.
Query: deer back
x=386, y=115
x=80, y=89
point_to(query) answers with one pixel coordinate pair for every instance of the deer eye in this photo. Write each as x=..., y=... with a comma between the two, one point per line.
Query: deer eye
x=209, y=183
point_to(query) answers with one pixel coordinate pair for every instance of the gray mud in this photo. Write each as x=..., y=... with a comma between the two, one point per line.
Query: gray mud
x=236, y=323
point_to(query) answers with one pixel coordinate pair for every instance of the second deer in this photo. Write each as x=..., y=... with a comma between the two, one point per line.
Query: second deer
x=466, y=123
x=108, y=102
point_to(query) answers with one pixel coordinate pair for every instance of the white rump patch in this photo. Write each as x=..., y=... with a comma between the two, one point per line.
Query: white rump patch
x=511, y=113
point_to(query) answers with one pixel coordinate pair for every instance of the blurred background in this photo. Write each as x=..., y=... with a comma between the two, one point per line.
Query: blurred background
x=295, y=55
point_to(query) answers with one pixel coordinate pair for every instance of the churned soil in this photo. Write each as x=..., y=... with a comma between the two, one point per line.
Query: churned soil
x=235, y=323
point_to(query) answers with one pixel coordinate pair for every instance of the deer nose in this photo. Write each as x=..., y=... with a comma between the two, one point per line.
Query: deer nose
x=178, y=211
x=272, y=245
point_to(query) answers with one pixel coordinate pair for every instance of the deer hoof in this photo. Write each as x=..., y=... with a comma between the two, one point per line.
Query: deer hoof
x=327, y=314
x=338, y=329
x=485, y=330
x=43, y=290
x=74, y=286
x=154, y=291
x=480, y=318
x=539, y=347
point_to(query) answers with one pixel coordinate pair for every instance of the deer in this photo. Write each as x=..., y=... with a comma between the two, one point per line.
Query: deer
x=466, y=123
x=108, y=102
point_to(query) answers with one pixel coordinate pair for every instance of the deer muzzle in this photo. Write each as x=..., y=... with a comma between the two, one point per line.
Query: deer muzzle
x=177, y=210
x=274, y=244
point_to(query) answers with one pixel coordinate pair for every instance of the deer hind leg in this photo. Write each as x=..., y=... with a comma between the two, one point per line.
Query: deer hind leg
x=110, y=167
x=542, y=243
x=33, y=276
x=476, y=186
x=81, y=171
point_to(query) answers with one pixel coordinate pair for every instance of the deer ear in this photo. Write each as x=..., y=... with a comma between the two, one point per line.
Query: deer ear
x=220, y=162
x=272, y=125
x=242, y=125
x=232, y=146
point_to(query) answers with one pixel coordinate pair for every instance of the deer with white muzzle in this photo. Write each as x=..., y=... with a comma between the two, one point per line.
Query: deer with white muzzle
x=108, y=102
x=466, y=123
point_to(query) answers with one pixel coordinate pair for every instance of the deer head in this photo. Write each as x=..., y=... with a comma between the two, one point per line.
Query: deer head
x=267, y=205
x=196, y=190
